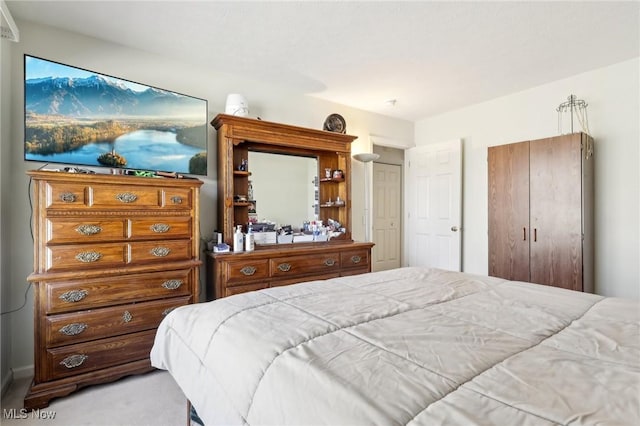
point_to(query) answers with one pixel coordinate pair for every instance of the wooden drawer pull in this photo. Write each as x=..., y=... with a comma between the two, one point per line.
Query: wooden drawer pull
x=68, y=197
x=356, y=259
x=160, y=251
x=88, y=229
x=73, y=329
x=74, y=295
x=172, y=284
x=88, y=256
x=74, y=361
x=127, y=197
x=248, y=270
x=284, y=267
x=176, y=199
x=126, y=316
x=160, y=228
x=329, y=262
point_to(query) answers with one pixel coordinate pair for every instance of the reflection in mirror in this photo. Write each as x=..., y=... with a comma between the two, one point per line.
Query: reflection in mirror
x=283, y=187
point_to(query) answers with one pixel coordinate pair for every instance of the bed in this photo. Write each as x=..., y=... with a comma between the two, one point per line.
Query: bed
x=412, y=346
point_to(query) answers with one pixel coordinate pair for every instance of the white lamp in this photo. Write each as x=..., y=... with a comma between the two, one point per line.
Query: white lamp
x=236, y=105
x=366, y=157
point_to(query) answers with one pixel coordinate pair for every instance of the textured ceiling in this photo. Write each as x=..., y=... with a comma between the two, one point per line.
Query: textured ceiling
x=431, y=57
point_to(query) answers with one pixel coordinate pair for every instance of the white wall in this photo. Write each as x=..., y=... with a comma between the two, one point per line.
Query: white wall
x=5, y=341
x=269, y=102
x=614, y=110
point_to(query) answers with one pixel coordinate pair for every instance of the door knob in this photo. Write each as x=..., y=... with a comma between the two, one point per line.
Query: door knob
x=454, y=228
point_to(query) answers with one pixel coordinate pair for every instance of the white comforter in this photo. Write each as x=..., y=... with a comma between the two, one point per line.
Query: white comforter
x=409, y=346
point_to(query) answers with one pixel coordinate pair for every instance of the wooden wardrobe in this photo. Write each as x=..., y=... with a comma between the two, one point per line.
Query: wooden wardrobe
x=541, y=211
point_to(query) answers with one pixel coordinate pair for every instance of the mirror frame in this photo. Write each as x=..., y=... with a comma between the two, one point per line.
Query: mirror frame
x=237, y=135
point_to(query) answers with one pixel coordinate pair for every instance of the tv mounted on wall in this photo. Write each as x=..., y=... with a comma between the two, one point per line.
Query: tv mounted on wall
x=82, y=118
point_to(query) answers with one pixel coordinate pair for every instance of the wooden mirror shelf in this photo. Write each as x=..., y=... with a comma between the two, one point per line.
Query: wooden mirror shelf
x=239, y=135
x=282, y=264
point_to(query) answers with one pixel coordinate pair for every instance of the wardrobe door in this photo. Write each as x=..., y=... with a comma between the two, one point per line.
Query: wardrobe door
x=556, y=211
x=508, y=185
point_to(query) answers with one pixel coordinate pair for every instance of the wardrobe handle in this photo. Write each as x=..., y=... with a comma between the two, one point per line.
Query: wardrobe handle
x=535, y=235
x=524, y=234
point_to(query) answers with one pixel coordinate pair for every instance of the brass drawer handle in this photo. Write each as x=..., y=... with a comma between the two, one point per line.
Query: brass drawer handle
x=126, y=316
x=284, y=267
x=88, y=229
x=248, y=270
x=68, y=197
x=88, y=256
x=172, y=284
x=329, y=262
x=73, y=296
x=126, y=197
x=176, y=199
x=160, y=228
x=167, y=311
x=356, y=259
x=74, y=361
x=160, y=251
x=73, y=329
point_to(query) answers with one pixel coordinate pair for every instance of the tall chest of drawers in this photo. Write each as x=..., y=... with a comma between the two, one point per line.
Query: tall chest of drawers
x=112, y=256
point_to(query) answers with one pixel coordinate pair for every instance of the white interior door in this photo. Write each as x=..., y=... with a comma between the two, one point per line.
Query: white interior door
x=433, y=205
x=387, y=216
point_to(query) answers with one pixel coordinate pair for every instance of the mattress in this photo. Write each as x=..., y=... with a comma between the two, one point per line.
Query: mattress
x=414, y=346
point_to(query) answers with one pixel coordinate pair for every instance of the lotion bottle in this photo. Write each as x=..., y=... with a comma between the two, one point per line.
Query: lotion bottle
x=249, y=243
x=238, y=239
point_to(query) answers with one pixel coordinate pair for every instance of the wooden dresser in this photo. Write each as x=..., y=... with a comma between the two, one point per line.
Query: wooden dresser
x=233, y=273
x=285, y=263
x=112, y=256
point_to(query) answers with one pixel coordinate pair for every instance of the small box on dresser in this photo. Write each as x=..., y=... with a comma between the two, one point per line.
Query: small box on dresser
x=112, y=256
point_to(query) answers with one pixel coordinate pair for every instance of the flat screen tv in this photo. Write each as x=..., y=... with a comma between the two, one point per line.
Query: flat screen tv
x=83, y=118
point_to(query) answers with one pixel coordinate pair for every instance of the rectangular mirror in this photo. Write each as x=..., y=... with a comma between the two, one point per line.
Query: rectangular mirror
x=284, y=188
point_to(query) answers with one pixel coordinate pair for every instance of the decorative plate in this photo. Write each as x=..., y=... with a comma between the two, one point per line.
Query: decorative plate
x=335, y=123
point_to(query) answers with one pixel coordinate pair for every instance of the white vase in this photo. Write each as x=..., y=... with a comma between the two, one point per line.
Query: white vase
x=236, y=105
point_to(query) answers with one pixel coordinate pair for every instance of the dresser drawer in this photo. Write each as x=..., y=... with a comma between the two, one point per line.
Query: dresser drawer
x=85, y=357
x=67, y=296
x=160, y=228
x=230, y=291
x=355, y=259
x=301, y=279
x=245, y=271
x=299, y=265
x=85, y=256
x=64, y=195
x=160, y=251
x=76, y=327
x=64, y=230
x=135, y=197
x=114, y=255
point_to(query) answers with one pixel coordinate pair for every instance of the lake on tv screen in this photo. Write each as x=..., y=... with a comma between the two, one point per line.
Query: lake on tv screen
x=143, y=149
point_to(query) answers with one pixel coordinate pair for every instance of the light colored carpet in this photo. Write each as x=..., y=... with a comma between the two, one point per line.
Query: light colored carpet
x=148, y=399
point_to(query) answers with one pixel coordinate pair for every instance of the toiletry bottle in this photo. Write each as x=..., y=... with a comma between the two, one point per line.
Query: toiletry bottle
x=238, y=239
x=249, y=240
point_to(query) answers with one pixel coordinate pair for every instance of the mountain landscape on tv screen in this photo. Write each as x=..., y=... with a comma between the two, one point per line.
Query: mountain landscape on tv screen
x=96, y=96
x=98, y=121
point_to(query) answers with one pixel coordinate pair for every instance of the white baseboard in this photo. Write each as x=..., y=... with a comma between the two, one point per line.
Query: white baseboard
x=23, y=372
x=6, y=382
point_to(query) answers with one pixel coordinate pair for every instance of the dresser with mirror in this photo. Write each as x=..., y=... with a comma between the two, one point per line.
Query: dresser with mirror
x=286, y=175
